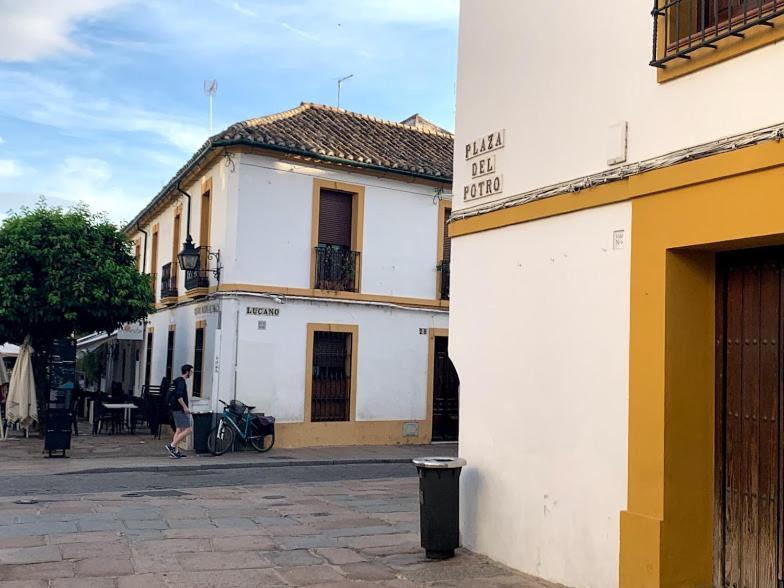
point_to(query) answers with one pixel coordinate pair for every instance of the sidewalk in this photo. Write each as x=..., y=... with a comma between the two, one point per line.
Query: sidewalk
x=122, y=453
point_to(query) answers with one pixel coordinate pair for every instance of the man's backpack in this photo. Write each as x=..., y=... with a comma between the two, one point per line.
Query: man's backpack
x=171, y=396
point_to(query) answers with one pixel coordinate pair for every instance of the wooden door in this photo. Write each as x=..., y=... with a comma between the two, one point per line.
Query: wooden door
x=748, y=419
x=445, y=394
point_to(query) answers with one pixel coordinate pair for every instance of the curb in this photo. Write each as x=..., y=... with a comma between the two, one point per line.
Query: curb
x=240, y=465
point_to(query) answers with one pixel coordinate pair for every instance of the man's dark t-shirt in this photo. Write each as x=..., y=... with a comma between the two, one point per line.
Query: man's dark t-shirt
x=179, y=390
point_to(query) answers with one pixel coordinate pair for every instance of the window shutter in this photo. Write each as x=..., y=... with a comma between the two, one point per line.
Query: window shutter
x=447, y=255
x=335, y=218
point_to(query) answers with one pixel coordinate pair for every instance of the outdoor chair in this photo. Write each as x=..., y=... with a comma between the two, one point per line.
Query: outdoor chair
x=106, y=417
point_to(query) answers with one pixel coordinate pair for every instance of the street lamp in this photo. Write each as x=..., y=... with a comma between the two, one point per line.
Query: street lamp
x=189, y=257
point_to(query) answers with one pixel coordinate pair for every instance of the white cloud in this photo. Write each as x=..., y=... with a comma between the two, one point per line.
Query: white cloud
x=91, y=180
x=35, y=99
x=300, y=32
x=243, y=10
x=1, y=141
x=10, y=168
x=33, y=29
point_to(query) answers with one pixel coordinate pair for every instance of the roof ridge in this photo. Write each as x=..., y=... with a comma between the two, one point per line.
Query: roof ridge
x=260, y=120
x=316, y=106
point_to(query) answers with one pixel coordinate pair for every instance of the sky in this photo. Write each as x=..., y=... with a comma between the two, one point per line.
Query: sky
x=102, y=101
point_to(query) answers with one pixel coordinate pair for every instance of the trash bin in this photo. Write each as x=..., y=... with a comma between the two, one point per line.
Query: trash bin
x=57, y=436
x=202, y=424
x=439, y=504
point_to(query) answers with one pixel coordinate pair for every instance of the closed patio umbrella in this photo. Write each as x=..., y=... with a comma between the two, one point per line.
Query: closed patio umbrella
x=3, y=381
x=22, y=404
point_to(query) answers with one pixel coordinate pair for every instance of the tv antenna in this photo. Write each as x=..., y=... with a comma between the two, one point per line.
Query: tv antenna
x=211, y=88
x=340, y=83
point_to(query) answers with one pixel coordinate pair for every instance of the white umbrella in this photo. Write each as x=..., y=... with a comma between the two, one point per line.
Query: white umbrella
x=22, y=405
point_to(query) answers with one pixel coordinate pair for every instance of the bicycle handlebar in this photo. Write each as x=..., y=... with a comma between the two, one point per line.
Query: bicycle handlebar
x=221, y=401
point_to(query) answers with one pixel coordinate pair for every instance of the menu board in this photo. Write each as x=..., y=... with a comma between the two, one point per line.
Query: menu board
x=62, y=371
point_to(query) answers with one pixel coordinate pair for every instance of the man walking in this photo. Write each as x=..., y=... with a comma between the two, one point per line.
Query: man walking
x=181, y=414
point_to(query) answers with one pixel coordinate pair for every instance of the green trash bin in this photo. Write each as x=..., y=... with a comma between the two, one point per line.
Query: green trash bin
x=202, y=425
x=439, y=504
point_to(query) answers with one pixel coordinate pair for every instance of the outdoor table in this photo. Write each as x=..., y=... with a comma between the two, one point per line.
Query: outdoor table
x=127, y=406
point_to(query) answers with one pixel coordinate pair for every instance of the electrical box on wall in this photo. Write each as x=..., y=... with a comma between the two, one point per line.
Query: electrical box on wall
x=617, y=142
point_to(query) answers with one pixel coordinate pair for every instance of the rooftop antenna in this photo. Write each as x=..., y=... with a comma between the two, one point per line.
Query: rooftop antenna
x=340, y=83
x=211, y=88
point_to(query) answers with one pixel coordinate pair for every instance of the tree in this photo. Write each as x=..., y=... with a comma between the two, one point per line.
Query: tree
x=66, y=271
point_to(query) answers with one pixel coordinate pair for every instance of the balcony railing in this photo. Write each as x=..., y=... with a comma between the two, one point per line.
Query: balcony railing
x=443, y=267
x=336, y=268
x=199, y=278
x=168, y=282
x=688, y=25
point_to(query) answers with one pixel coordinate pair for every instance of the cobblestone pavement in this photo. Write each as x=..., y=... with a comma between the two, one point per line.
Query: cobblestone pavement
x=331, y=534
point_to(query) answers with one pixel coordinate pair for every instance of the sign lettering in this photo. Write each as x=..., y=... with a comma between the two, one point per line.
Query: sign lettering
x=262, y=311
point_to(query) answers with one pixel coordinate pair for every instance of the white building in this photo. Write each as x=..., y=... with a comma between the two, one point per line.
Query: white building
x=319, y=299
x=617, y=434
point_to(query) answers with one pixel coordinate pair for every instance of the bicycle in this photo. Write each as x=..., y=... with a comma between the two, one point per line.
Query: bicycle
x=258, y=430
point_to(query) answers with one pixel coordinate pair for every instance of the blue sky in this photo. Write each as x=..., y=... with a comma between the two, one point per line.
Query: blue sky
x=101, y=101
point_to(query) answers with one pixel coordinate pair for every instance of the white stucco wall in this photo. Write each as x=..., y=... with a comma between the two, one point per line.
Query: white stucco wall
x=557, y=74
x=274, y=229
x=539, y=334
x=270, y=368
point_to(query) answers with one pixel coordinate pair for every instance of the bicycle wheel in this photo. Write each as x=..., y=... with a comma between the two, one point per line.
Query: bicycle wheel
x=259, y=443
x=221, y=438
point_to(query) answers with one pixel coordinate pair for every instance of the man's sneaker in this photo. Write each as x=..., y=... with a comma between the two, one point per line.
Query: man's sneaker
x=181, y=454
x=170, y=448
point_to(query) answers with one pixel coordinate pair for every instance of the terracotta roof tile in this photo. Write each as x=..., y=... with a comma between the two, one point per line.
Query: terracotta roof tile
x=414, y=147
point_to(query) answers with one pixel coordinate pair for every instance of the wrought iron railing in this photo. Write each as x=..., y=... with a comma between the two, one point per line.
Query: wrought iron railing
x=168, y=281
x=443, y=267
x=681, y=27
x=336, y=268
x=199, y=278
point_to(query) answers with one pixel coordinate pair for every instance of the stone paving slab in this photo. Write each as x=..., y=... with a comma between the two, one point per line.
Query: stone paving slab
x=326, y=534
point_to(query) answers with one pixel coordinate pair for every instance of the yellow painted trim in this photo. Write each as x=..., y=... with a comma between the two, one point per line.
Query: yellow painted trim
x=442, y=207
x=155, y=245
x=431, y=360
x=176, y=234
x=168, y=301
x=728, y=48
x=353, y=330
x=708, y=169
x=201, y=324
x=292, y=435
x=357, y=222
x=172, y=327
x=667, y=529
x=195, y=293
x=332, y=295
x=150, y=329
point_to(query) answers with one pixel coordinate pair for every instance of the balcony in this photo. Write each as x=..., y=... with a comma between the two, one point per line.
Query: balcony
x=681, y=27
x=443, y=267
x=168, y=284
x=336, y=268
x=199, y=278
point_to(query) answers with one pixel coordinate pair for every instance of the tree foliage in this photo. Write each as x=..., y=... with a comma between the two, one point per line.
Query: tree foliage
x=64, y=271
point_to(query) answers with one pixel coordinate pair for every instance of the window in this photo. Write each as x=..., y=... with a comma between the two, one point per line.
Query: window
x=137, y=254
x=170, y=355
x=198, y=360
x=689, y=34
x=148, y=361
x=175, y=248
x=332, y=372
x=444, y=250
x=338, y=211
x=154, y=257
